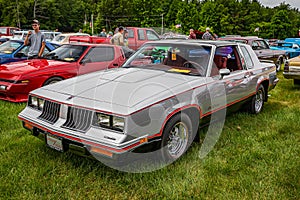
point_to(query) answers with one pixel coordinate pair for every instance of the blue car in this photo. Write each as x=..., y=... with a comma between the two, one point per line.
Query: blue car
x=15, y=50
x=292, y=49
x=294, y=40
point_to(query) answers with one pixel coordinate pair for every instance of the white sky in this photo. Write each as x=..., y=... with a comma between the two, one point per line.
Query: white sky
x=273, y=3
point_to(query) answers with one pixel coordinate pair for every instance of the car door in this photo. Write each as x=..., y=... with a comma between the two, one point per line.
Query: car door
x=234, y=85
x=98, y=58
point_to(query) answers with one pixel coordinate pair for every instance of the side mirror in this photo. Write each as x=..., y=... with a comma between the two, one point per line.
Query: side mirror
x=85, y=61
x=224, y=72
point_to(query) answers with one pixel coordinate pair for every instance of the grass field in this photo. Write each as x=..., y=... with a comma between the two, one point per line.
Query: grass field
x=256, y=157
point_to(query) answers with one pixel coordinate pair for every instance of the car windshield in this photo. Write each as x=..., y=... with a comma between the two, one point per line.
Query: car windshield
x=58, y=38
x=189, y=59
x=68, y=53
x=10, y=46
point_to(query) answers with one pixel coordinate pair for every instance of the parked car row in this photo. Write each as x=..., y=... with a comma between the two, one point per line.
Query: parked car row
x=262, y=49
x=110, y=102
x=17, y=79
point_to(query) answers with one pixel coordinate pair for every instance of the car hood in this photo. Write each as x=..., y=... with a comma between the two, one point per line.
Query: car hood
x=13, y=70
x=295, y=61
x=269, y=52
x=5, y=55
x=283, y=49
x=120, y=90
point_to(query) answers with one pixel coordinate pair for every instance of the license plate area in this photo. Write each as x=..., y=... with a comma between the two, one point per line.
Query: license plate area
x=54, y=142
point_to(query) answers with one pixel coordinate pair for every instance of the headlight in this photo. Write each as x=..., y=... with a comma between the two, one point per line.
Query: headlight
x=110, y=122
x=118, y=123
x=3, y=87
x=36, y=103
x=103, y=120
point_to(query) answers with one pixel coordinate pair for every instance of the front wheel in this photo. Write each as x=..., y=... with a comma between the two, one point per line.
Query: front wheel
x=257, y=101
x=52, y=80
x=177, y=137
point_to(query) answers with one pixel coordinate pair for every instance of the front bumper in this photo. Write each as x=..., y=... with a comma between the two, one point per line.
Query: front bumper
x=13, y=92
x=84, y=146
x=291, y=75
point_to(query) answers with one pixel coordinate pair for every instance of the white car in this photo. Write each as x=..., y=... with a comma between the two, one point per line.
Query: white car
x=159, y=96
x=64, y=37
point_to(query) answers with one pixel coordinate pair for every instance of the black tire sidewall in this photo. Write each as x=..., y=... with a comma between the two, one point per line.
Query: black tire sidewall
x=253, y=100
x=180, y=117
x=48, y=81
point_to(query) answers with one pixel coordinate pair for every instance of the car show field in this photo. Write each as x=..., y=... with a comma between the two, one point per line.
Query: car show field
x=149, y=100
x=255, y=157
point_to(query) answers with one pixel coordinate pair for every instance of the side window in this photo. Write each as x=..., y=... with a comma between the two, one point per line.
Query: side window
x=141, y=35
x=151, y=35
x=255, y=45
x=247, y=57
x=262, y=44
x=99, y=54
x=130, y=33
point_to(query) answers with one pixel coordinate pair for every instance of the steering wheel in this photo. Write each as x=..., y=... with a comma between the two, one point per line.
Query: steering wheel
x=194, y=65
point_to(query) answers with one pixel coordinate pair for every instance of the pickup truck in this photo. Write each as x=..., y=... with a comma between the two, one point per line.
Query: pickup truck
x=136, y=37
x=7, y=31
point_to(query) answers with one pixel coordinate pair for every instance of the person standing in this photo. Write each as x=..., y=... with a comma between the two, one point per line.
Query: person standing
x=118, y=38
x=103, y=33
x=207, y=35
x=36, y=40
x=192, y=34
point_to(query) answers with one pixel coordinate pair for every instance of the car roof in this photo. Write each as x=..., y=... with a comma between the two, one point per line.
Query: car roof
x=71, y=34
x=88, y=44
x=242, y=38
x=209, y=42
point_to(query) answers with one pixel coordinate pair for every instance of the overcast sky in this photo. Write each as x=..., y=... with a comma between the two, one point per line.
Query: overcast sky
x=273, y=3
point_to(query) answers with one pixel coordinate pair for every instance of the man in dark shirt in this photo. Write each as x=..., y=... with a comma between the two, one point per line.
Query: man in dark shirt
x=207, y=35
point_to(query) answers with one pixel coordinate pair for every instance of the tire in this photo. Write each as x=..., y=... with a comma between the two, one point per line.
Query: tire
x=177, y=137
x=257, y=101
x=278, y=66
x=296, y=82
x=52, y=80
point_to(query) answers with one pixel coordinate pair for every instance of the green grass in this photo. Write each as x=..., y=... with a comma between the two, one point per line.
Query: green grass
x=256, y=157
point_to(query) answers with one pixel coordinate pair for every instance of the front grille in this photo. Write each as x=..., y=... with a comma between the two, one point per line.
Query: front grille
x=50, y=112
x=78, y=119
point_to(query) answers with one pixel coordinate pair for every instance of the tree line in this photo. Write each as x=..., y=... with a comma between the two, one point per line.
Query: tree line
x=224, y=17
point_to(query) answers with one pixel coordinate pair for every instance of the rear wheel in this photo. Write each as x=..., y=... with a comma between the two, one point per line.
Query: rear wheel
x=279, y=64
x=257, y=101
x=52, y=80
x=177, y=137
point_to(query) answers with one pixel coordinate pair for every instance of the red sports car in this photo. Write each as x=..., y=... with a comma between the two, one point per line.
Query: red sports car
x=19, y=78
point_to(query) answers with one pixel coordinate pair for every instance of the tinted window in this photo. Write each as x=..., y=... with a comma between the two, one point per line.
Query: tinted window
x=68, y=53
x=247, y=57
x=100, y=54
x=151, y=35
x=141, y=34
x=261, y=44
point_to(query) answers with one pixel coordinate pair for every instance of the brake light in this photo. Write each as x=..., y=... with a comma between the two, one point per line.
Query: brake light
x=286, y=66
